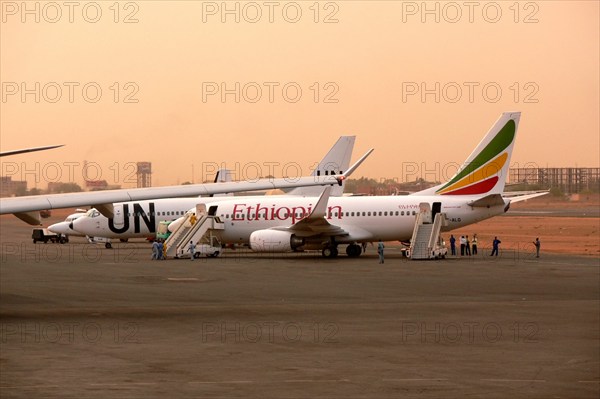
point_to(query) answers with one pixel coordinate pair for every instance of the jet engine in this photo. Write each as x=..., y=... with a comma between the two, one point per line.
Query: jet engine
x=274, y=241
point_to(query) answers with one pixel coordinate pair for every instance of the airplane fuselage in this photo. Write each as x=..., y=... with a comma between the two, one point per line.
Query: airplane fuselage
x=364, y=218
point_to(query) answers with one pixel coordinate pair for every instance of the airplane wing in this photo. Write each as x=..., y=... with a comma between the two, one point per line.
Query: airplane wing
x=24, y=150
x=315, y=223
x=25, y=207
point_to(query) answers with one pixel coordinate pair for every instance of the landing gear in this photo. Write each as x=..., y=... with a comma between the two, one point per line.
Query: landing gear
x=108, y=245
x=353, y=250
x=330, y=252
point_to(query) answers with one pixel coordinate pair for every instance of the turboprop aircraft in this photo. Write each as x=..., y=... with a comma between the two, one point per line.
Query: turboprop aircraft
x=147, y=215
x=27, y=208
x=473, y=194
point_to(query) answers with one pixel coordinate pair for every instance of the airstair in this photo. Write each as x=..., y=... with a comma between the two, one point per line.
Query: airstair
x=426, y=242
x=199, y=229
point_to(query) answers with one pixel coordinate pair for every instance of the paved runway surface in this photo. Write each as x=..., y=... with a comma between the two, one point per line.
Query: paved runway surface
x=79, y=321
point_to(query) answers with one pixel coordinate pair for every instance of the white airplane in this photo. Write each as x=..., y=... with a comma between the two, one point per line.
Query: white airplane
x=473, y=194
x=147, y=215
x=27, y=208
x=279, y=224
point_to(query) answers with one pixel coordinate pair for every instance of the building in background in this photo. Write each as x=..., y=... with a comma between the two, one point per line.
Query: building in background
x=144, y=174
x=568, y=180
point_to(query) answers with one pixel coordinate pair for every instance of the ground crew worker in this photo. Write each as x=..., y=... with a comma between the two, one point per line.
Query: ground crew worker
x=474, y=245
x=192, y=249
x=495, y=244
x=467, y=246
x=537, y=244
x=155, y=250
x=161, y=250
x=380, y=248
x=452, y=244
x=462, y=245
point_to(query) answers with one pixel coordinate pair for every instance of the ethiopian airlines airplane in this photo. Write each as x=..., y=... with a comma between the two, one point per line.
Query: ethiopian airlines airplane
x=287, y=223
x=473, y=194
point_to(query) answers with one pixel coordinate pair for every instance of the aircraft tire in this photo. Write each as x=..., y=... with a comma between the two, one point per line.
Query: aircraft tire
x=353, y=250
x=108, y=245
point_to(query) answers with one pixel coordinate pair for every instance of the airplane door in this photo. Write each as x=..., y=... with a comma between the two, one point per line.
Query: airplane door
x=435, y=209
x=119, y=218
x=212, y=211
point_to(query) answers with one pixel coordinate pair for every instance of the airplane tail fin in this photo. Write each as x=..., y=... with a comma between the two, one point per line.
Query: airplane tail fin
x=336, y=162
x=223, y=176
x=486, y=169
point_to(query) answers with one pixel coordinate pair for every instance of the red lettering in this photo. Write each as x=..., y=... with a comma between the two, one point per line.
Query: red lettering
x=302, y=214
x=331, y=211
x=235, y=212
x=285, y=215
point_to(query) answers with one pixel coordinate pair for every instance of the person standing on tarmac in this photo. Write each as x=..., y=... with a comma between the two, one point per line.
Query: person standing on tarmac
x=467, y=246
x=192, y=249
x=155, y=250
x=474, y=245
x=495, y=244
x=452, y=245
x=380, y=248
x=537, y=244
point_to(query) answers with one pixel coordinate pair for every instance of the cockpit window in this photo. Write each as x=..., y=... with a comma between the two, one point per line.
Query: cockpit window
x=92, y=213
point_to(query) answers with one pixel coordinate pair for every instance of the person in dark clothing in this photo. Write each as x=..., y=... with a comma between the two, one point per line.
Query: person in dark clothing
x=495, y=244
x=452, y=245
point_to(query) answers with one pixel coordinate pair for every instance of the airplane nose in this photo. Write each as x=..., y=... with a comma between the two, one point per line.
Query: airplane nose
x=59, y=228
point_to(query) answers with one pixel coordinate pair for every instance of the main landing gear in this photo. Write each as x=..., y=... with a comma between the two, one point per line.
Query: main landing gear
x=331, y=251
x=353, y=250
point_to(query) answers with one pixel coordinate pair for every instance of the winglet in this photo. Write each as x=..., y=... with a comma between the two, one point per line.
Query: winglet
x=320, y=208
x=354, y=166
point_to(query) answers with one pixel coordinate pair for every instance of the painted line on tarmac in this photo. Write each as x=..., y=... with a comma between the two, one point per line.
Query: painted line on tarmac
x=222, y=382
x=509, y=380
x=182, y=279
x=414, y=379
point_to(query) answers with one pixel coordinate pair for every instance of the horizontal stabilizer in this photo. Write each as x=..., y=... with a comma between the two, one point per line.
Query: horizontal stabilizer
x=524, y=197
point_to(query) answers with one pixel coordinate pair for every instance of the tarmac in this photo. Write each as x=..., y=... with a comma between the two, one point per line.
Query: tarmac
x=81, y=321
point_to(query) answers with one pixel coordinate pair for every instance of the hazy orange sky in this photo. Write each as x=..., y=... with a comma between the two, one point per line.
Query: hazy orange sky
x=361, y=67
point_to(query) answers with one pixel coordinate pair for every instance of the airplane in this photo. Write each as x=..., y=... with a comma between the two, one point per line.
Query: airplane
x=281, y=224
x=27, y=208
x=32, y=149
x=148, y=214
x=285, y=224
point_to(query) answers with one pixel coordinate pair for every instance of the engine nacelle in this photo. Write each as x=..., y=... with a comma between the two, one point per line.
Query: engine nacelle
x=274, y=241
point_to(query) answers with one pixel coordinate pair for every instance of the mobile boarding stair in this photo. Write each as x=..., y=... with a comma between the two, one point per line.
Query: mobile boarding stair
x=198, y=228
x=426, y=242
